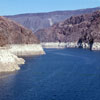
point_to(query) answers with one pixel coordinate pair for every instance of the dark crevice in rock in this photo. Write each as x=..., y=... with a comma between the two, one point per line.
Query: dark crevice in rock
x=80, y=43
x=91, y=43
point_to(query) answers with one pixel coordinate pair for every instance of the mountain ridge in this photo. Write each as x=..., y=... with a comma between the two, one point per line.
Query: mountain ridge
x=36, y=21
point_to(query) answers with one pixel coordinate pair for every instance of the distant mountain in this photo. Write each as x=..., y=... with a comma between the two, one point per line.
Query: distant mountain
x=82, y=28
x=36, y=21
x=13, y=33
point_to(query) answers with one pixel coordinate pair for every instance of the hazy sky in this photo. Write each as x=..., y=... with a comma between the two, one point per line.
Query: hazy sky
x=11, y=7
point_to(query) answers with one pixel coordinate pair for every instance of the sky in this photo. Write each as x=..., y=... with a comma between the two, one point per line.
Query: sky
x=12, y=7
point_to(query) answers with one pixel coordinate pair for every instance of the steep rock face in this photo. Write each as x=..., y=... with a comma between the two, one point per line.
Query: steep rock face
x=15, y=40
x=36, y=21
x=83, y=28
x=13, y=33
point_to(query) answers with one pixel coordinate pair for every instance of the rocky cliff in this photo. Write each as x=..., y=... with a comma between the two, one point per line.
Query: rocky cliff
x=16, y=40
x=81, y=29
x=13, y=33
x=36, y=21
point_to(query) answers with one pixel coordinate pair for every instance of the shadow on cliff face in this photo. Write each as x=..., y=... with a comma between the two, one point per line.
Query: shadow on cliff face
x=80, y=43
x=90, y=43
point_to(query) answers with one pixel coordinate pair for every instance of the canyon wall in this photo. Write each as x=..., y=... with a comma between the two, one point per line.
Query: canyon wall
x=83, y=29
x=16, y=40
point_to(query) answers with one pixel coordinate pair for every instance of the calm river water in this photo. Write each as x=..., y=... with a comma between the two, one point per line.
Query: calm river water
x=61, y=74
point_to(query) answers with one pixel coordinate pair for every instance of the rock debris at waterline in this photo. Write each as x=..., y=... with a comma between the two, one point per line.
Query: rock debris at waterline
x=8, y=55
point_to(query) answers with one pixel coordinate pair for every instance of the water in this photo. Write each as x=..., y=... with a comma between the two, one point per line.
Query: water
x=68, y=74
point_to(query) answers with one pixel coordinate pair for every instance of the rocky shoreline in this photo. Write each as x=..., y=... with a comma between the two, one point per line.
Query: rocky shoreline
x=9, y=60
x=9, y=54
x=59, y=45
x=95, y=46
x=15, y=41
x=25, y=49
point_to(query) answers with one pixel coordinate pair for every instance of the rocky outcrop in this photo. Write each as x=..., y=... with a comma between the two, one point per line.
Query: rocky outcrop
x=25, y=49
x=83, y=29
x=96, y=46
x=16, y=40
x=13, y=33
x=36, y=21
x=9, y=62
x=8, y=55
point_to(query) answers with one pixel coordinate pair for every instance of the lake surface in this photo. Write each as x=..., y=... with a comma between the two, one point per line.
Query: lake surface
x=61, y=74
